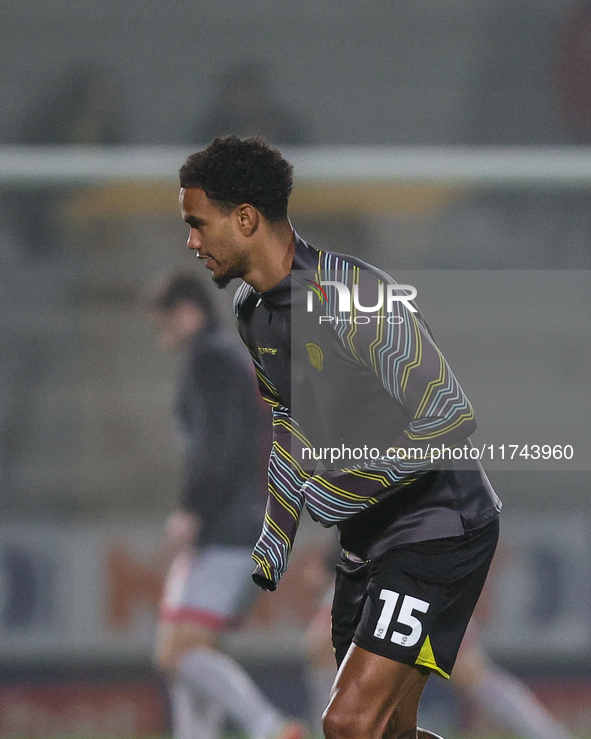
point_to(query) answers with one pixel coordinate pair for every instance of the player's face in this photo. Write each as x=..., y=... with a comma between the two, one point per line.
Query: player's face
x=212, y=235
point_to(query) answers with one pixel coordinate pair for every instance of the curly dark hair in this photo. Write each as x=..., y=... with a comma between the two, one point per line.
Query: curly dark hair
x=232, y=171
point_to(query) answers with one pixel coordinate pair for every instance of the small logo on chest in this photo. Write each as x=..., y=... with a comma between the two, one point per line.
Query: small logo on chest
x=315, y=356
x=267, y=350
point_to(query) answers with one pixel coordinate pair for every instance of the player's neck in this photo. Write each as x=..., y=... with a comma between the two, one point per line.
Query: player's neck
x=272, y=261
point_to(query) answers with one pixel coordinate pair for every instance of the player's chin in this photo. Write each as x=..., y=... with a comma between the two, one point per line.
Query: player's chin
x=222, y=279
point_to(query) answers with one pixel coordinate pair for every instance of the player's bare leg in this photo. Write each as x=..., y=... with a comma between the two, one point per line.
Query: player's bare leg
x=374, y=698
x=405, y=718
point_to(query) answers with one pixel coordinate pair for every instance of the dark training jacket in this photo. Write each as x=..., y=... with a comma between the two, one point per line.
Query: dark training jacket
x=357, y=381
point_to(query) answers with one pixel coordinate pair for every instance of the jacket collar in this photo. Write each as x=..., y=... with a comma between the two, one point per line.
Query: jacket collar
x=305, y=258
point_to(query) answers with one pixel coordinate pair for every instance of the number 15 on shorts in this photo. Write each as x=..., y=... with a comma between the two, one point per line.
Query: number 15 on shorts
x=406, y=617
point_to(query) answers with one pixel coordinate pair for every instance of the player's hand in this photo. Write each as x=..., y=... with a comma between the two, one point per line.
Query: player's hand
x=181, y=529
x=180, y=534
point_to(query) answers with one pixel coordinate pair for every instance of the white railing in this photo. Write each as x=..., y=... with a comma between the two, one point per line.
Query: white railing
x=567, y=166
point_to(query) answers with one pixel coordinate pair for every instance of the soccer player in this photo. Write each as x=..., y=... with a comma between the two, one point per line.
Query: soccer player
x=212, y=532
x=418, y=534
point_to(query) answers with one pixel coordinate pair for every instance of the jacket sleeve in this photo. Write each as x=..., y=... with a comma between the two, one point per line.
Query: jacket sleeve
x=399, y=349
x=284, y=503
x=286, y=477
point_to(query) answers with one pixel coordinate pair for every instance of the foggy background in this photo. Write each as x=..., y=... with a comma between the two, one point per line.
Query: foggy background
x=88, y=466
x=352, y=71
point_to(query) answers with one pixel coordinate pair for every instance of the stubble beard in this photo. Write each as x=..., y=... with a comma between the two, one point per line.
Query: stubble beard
x=239, y=267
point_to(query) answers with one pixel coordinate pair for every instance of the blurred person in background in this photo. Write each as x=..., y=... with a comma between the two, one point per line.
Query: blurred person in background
x=246, y=106
x=209, y=537
x=500, y=695
x=573, y=71
x=82, y=108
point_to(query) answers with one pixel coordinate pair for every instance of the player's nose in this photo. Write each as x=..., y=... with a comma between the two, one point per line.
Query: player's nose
x=194, y=242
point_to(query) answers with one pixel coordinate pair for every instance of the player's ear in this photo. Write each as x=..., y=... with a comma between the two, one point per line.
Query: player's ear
x=248, y=219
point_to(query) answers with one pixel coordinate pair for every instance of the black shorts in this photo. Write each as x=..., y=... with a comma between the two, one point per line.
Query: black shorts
x=413, y=603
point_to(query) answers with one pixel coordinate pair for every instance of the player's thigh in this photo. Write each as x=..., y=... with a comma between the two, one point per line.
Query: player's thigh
x=373, y=697
x=404, y=720
x=204, y=592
